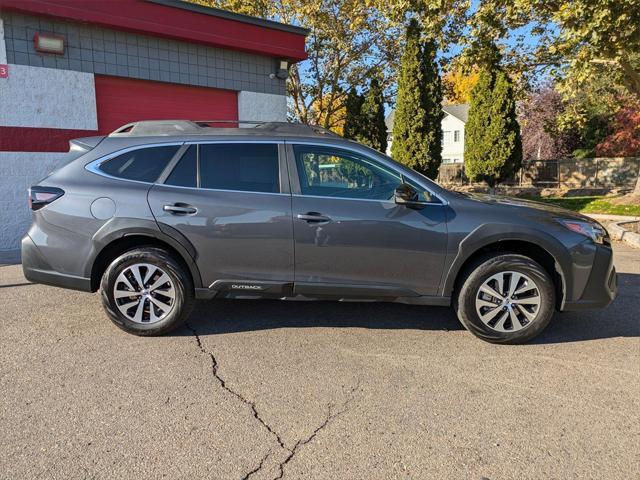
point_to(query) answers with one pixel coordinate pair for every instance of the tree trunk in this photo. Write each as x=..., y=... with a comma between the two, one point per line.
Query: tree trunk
x=636, y=190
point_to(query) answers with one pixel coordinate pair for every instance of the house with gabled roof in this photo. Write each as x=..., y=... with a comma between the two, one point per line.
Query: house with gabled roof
x=453, y=123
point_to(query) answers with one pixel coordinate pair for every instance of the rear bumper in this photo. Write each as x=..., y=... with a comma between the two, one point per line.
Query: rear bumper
x=36, y=269
x=602, y=287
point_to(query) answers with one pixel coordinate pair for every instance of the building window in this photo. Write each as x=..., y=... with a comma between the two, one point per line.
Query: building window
x=456, y=136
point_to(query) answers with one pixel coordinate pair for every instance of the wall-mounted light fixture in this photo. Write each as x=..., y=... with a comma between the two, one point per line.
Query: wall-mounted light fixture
x=283, y=70
x=45, y=43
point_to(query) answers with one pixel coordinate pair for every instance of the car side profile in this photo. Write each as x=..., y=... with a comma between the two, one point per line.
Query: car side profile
x=161, y=213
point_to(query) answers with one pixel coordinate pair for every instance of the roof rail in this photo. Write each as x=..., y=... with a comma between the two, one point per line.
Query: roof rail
x=200, y=127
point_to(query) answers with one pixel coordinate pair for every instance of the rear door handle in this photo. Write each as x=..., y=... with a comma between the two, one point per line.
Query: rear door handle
x=180, y=209
x=313, y=217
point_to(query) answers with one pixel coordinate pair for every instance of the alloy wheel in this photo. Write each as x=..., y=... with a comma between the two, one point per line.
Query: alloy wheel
x=144, y=293
x=508, y=301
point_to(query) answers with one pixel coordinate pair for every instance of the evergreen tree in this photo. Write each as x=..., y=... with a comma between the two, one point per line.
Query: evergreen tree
x=353, y=110
x=417, y=128
x=374, y=130
x=493, y=147
x=432, y=105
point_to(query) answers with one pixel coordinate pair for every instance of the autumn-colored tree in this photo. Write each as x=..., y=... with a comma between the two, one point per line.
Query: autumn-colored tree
x=348, y=41
x=625, y=141
x=542, y=138
x=458, y=84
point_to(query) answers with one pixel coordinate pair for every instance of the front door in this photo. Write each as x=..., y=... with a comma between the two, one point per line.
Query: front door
x=351, y=238
x=233, y=204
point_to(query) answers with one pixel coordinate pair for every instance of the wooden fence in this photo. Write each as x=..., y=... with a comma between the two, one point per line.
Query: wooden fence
x=565, y=173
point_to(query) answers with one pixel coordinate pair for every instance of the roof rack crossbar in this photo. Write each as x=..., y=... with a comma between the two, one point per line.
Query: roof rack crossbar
x=175, y=127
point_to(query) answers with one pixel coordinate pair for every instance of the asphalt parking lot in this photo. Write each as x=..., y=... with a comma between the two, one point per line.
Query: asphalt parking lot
x=267, y=390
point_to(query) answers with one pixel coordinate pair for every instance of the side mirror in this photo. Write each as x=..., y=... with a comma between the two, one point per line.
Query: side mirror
x=406, y=195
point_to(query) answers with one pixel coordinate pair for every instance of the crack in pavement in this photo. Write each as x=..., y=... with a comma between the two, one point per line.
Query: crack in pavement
x=330, y=417
x=258, y=468
x=300, y=443
x=223, y=384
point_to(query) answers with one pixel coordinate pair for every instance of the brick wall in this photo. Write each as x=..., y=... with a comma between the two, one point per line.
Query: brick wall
x=98, y=50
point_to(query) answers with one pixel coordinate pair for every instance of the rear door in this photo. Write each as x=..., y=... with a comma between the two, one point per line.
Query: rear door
x=232, y=201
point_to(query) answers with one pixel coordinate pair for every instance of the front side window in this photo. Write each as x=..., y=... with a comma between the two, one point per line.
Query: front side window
x=143, y=164
x=456, y=136
x=246, y=167
x=333, y=172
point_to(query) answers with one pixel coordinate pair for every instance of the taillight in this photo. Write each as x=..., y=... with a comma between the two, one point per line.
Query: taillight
x=41, y=196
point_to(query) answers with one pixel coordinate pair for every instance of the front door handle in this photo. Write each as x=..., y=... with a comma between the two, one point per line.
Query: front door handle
x=313, y=217
x=180, y=209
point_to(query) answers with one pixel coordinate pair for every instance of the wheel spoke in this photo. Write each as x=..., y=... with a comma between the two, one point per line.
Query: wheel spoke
x=530, y=316
x=500, y=324
x=487, y=289
x=136, y=274
x=500, y=279
x=164, y=278
x=528, y=301
x=151, y=269
x=137, y=317
x=485, y=303
x=490, y=315
x=125, y=293
x=162, y=306
x=513, y=283
x=524, y=288
x=123, y=278
x=515, y=323
x=126, y=306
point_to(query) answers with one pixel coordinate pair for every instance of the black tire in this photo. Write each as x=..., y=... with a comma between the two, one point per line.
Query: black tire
x=481, y=271
x=183, y=290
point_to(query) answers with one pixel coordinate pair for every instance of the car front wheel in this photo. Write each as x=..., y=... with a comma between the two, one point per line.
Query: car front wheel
x=506, y=298
x=147, y=292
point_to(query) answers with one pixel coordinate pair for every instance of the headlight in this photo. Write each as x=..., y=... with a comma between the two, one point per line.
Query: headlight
x=594, y=231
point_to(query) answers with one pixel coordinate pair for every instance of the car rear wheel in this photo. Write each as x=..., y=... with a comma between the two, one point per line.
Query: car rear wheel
x=147, y=292
x=506, y=298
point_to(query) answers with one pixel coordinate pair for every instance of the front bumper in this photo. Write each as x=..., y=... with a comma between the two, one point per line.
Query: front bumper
x=602, y=287
x=36, y=269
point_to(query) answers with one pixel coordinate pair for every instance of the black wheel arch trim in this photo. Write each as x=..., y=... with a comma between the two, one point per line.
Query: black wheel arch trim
x=118, y=228
x=488, y=234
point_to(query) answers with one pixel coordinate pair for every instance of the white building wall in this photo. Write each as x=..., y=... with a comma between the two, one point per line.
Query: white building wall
x=266, y=107
x=452, y=151
x=41, y=98
x=18, y=171
x=48, y=98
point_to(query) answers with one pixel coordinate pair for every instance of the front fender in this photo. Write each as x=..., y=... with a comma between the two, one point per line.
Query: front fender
x=573, y=264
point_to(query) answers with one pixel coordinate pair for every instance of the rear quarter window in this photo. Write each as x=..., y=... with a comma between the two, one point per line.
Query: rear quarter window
x=142, y=165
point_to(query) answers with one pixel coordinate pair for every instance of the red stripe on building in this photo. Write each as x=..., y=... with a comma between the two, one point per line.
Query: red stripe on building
x=28, y=139
x=165, y=21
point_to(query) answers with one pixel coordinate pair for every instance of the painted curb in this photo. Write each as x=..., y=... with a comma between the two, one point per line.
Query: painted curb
x=619, y=232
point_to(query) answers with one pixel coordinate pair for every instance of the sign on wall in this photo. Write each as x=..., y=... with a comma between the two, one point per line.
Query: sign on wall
x=4, y=68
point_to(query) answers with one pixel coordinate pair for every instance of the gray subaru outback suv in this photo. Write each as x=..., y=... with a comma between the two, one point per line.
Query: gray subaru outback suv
x=159, y=214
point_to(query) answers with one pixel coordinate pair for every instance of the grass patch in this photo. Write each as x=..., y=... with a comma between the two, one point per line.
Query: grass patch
x=597, y=204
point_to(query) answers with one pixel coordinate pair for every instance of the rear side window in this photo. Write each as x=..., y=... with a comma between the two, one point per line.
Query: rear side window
x=143, y=165
x=247, y=167
x=185, y=173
